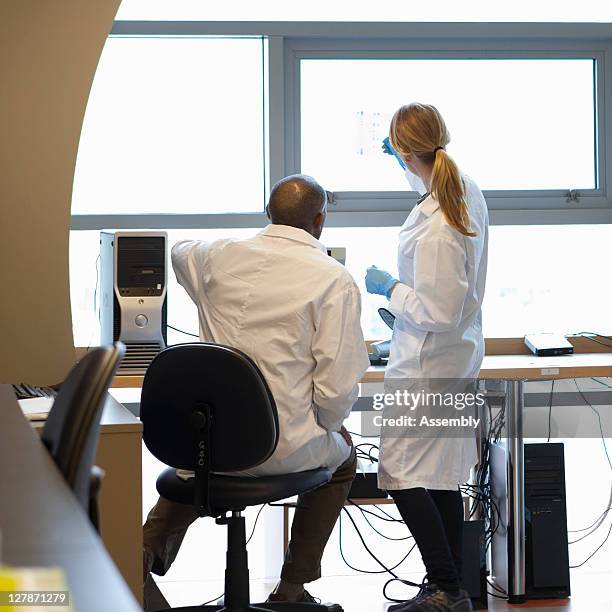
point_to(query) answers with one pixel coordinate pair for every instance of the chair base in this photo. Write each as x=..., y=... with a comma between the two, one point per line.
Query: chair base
x=237, y=577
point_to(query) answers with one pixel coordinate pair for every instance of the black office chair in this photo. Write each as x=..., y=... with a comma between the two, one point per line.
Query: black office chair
x=207, y=408
x=72, y=428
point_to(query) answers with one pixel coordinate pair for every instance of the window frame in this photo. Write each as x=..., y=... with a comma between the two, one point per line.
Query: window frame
x=289, y=42
x=507, y=201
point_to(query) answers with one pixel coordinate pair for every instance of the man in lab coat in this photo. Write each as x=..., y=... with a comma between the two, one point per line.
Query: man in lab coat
x=282, y=300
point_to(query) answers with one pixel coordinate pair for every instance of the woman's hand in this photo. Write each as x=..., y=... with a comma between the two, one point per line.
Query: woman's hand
x=379, y=281
x=387, y=148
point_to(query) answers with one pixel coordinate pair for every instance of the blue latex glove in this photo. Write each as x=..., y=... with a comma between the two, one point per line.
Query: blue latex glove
x=387, y=148
x=379, y=281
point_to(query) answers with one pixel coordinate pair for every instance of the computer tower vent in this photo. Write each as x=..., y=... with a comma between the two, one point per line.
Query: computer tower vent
x=138, y=357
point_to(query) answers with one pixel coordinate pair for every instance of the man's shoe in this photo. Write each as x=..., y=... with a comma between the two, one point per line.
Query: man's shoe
x=437, y=600
x=425, y=589
x=306, y=598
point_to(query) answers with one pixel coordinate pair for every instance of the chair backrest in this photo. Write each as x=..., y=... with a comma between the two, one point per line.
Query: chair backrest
x=73, y=426
x=182, y=380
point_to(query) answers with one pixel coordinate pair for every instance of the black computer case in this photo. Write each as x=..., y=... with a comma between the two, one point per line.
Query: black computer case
x=474, y=579
x=546, y=542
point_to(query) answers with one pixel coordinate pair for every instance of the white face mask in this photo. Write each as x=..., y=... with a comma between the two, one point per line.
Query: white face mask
x=415, y=182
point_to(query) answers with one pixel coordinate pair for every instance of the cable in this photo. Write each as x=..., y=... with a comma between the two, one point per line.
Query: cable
x=480, y=491
x=369, y=445
x=387, y=518
x=362, y=571
x=382, y=535
x=591, y=525
x=595, y=551
x=586, y=337
x=598, y=522
x=214, y=599
x=181, y=331
x=582, y=333
x=601, y=382
x=497, y=588
x=392, y=580
x=255, y=524
x=592, y=529
x=392, y=518
x=384, y=567
x=603, y=437
x=366, y=454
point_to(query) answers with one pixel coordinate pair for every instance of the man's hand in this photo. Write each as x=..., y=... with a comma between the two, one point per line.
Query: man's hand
x=346, y=435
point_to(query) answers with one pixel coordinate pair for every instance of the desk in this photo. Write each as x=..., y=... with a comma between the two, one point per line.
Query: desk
x=515, y=370
x=120, y=456
x=42, y=523
x=530, y=367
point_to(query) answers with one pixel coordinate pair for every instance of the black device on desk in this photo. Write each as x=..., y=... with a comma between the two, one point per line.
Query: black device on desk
x=379, y=351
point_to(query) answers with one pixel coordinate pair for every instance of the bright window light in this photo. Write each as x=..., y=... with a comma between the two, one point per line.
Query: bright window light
x=514, y=123
x=541, y=278
x=383, y=10
x=170, y=125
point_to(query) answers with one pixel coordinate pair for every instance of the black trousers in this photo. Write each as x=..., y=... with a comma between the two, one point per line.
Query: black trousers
x=435, y=519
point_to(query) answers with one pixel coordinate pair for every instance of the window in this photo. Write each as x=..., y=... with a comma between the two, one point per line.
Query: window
x=548, y=278
x=189, y=121
x=514, y=123
x=541, y=278
x=383, y=10
x=169, y=124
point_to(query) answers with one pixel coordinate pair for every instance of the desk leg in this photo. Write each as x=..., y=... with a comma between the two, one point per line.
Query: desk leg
x=515, y=466
x=285, y=529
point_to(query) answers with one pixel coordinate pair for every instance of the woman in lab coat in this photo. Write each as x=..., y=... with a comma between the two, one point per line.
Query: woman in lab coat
x=442, y=264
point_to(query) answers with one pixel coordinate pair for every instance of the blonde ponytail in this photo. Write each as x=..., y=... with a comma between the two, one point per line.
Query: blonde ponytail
x=448, y=188
x=419, y=130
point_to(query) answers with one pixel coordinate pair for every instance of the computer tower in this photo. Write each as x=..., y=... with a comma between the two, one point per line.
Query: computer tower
x=474, y=579
x=133, y=285
x=546, y=542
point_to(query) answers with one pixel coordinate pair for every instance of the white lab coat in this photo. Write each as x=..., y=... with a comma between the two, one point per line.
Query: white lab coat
x=437, y=333
x=295, y=311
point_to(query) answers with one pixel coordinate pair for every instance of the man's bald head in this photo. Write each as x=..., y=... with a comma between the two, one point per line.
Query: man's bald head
x=298, y=201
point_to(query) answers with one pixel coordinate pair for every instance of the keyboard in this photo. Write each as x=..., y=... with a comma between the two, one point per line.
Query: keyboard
x=25, y=391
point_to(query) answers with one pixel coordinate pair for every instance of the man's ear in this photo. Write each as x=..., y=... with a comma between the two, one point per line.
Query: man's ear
x=268, y=212
x=319, y=220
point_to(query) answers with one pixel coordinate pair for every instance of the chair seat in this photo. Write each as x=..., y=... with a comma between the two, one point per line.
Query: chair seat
x=237, y=492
